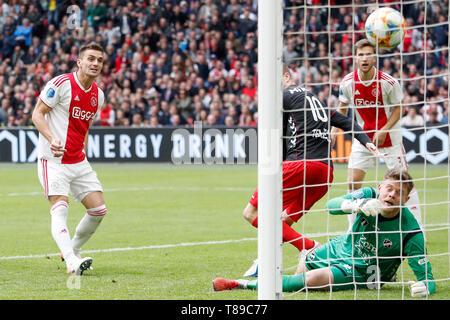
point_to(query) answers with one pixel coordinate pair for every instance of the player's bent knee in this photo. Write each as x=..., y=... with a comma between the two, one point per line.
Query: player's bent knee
x=92, y=199
x=55, y=199
x=59, y=207
x=98, y=212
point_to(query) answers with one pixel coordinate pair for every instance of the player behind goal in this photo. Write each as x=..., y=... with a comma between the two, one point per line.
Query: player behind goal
x=376, y=97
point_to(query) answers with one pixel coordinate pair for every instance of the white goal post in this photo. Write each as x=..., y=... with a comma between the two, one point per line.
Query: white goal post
x=270, y=42
x=338, y=60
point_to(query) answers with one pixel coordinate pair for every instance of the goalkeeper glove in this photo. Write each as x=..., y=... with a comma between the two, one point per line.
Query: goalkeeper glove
x=367, y=206
x=418, y=289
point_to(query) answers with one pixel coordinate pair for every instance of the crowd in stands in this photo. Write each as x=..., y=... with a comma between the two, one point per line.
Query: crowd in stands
x=173, y=63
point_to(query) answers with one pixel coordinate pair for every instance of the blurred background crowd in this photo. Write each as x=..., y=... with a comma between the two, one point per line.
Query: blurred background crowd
x=173, y=63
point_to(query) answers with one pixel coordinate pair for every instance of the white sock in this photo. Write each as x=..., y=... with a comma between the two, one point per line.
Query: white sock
x=413, y=204
x=351, y=217
x=242, y=283
x=60, y=231
x=87, y=227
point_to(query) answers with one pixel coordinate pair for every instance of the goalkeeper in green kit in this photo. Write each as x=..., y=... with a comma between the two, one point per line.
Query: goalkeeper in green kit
x=383, y=234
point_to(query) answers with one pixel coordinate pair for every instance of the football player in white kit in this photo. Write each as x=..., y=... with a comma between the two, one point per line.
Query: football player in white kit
x=376, y=99
x=65, y=109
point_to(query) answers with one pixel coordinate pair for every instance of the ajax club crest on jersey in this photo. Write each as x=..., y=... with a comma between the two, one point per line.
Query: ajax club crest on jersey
x=375, y=92
x=93, y=101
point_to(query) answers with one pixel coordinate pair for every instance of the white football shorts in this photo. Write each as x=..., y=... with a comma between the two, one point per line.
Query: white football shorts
x=78, y=179
x=361, y=158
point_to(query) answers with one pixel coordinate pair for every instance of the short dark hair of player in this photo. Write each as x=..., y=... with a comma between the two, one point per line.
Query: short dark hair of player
x=401, y=176
x=91, y=46
x=362, y=44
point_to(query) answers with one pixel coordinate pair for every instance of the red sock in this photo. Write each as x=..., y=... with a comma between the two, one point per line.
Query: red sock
x=292, y=236
x=295, y=238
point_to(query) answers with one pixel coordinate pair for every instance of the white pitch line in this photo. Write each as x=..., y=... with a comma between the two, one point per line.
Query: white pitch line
x=151, y=188
x=183, y=244
x=428, y=227
x=162, y=246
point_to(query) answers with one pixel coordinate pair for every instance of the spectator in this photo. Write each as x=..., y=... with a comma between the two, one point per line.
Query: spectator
x=7, y=42
x=217, y=71
x=249, y=88
x=125, y=21
x=211, y=120
x=154, y=122
x=412, y=119
x=169, y=92
x=289, y=51
x=202, y=66
x=53, y=12
x=206, y=11
x=229, y=121
x=164, y=114
x=106, y=115
x=170, y=52
x=4, y=111
x=196, y=113
x=217, y=112
x=433, y=119
x=232, y=112
x=12, y=121
x=25, y=120
x=432, y=108
x=137, y=121
x=122, y=120
x=34, y=16
x=184, y=104
x=245, y=115
x=23, y=33
x=445, y=115
x=246, y=24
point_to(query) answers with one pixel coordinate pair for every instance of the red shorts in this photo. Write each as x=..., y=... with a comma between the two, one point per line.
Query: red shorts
x=315, y=176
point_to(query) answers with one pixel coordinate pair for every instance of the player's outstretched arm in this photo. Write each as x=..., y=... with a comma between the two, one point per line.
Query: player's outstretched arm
x=38, y=117
x=366, y=206
x=374, y=150
x=347, y=204
x=345, y=123
x=333, y=206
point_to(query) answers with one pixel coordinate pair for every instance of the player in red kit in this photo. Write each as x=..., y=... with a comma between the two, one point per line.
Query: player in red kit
x=65, y=109
x=307, y=166
x=376, y=99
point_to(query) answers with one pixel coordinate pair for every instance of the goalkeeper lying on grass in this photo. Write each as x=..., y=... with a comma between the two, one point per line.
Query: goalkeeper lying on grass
x=383, y=234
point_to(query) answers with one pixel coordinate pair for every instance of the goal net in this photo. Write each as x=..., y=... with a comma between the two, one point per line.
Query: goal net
x=318, y=46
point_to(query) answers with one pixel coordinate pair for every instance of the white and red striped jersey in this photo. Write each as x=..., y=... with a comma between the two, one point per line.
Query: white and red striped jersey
x=73, y=107
x=372, y=101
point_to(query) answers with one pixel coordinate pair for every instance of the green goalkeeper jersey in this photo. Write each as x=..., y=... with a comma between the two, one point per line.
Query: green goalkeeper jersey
x=383, y=242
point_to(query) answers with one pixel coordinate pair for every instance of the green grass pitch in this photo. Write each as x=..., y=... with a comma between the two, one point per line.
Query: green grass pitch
x=170, y=230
